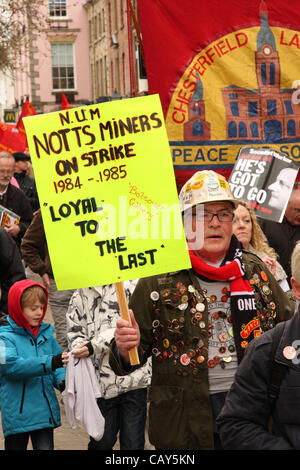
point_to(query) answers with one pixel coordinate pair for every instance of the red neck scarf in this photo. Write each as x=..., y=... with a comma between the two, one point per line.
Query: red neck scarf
x=232, y=271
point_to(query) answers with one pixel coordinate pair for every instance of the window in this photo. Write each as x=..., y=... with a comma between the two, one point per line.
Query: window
x=100, y=25
x=272, y=130
x=291, y=128
x=198, y=128
x=62, y=66
x=288, y=107
x=90, y=31
x=232, y=129
x=233, y=96
x=242, y=129
x=254, y=129
x=234, y=108
x=103, y=20
x=112, y=83
x=252, y=108
x=109, y=19
x=58, y=8
x=105, y=76
x=117, y=73
x=95, y=27
x=122, y=13
x=97, y=78
x=196, y=110
x=141, y=65
x=271, y=107
x=263, y=69
x=272, y=73
x=115, y=16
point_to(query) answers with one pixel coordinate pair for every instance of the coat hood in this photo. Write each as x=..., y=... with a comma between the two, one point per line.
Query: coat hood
x=14, y=304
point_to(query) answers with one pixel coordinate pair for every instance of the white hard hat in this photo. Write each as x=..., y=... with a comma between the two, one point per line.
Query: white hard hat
x=205, y=186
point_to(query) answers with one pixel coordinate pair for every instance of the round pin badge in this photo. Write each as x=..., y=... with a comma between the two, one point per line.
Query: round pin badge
x=183, y=306
x=266, y=290
x=289, y=352
x=154, y=296
x=264, y=276
x=200, y=307
x=184, y=359
x=165, y=293
x=227, y=359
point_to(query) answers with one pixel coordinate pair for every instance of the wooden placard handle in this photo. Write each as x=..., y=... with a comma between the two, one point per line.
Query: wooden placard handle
x=133, y=353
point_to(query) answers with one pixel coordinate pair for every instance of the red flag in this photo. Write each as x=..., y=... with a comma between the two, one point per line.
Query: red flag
x=220, y=69
x=11, y=140
x=27, y=110
x=64, y=102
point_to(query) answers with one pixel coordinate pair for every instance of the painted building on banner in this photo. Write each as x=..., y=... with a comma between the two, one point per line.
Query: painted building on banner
x=267, y=113
x=197, y=128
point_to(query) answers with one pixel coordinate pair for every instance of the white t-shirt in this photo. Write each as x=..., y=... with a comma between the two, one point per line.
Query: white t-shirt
x=221, y=347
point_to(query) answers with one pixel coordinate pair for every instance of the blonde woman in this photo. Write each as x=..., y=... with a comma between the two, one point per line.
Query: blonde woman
x=249, y=233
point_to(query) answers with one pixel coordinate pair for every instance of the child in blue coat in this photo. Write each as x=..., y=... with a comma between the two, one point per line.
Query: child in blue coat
x=31, y=365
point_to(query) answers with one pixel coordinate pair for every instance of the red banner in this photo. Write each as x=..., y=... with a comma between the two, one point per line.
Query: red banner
x=27, y=110
x=11, y=140
x=227, y=76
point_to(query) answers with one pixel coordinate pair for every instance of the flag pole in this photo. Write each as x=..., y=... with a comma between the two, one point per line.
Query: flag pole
x=131, y=64
x=138, y=31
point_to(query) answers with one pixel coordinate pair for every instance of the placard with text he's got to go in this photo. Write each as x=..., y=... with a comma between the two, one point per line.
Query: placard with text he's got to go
x=107, y=192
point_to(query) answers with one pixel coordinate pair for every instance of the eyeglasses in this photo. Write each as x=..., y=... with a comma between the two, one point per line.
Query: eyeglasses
x=6, y=172
x=206, y=216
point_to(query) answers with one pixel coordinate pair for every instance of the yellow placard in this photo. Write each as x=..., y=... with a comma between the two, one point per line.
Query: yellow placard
x=107, y=192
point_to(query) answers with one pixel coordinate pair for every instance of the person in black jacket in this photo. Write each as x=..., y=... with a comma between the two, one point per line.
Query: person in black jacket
x=244, y=420
x=283, y=236
x=25, y=181
x=13, y=199
x=11, y=270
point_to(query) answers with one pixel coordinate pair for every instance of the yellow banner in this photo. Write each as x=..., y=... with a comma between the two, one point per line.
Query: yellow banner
x=107, y=192
x=215, y=156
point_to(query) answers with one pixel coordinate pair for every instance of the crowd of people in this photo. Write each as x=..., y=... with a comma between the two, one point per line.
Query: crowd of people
x=211, y=340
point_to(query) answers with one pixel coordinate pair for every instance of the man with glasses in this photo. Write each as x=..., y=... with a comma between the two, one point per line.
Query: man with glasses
x=197, y=323
x=25, y=181
x=13, y=198
x=284, y=236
